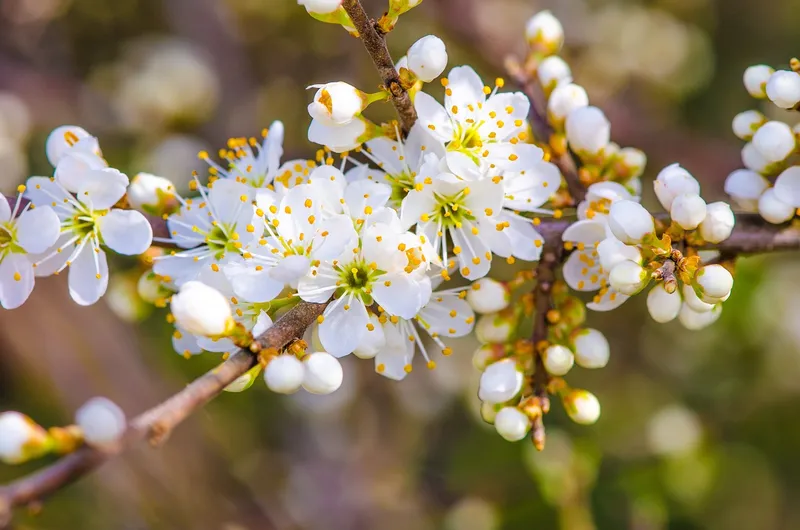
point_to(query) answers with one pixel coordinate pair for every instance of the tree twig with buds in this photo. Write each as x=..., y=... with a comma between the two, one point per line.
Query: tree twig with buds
x=375, y=43
x=156, y=424
x=542, y=129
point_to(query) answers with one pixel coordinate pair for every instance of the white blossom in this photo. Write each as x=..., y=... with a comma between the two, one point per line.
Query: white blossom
x=693, y=320
x=493, y=327
x=149, y=192
x=783, y=88
x=772, y=207
x=688, y=210
x=488, y=296
x=500, y=382
x=544, y=32
x=774, y=141
x=718, y=223
x=551, y=71
x=672, y=181
x=512, y=424
x=588, y=130
x=691, y=299
x=713, y=284
x=591, y=348
x=427, y=58
x=628, y=277
x=745, y=124
x=756, y=78
x=20, y=438
x=582, y=406
x=754, y=160
x=486, y=354
x=662, y=305
x=341, y=138
x=321, y=7
x=787, y=186
x=336, y=103
x=102, y=421
x=558, y=360
x=284, y=374
x=323, y=373
x=202, y=310
x=69, y=139
x=373, y=342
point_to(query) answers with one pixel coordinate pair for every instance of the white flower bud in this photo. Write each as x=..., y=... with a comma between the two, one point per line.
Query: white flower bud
x=323, y=373
x=787, y=186
x=544, y=33
x=688, y=210
x=340, y=138
x=628, y=278
x=20, y=438
x=102, y=421
x=148, y=190
x=565, y=98
x=427, y=58
x=745, y=187
x=512, y=424
x=244, y=381
x=774, y=141
x=713, y=284
x=756, y=78
x=718, y=224
x=612, y=252
x=488, y=412
x=693, y=320
x=591, y=348
x=336, y=103
x=672, y=181
x=66, y=138
x=753, y=159
x=372, y=341
x=746, y=123
x=202, y=310
x=551, y=71
x=488, y=296
x=633, y=162
x=150, y=288
x=661, y=305
x=773, y=209
x=630, y=221
x=582, y=406
x=500, y=382
x=320, y=7
x=783, y=89
x=558, y=360
x=284, y=374
x=691, y=299
x=486, y=354
x=493, y=327
x=588, y=130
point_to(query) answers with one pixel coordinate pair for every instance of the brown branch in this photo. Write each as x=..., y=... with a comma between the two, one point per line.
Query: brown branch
x=542, y=129
x=156, y=424
x=375, y=43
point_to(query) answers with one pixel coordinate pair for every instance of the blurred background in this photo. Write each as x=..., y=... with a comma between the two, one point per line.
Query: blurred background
x=699, y=429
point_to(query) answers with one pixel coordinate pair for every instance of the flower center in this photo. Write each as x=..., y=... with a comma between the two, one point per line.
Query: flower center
x=83, y=224
x=466, y=139
x=401, y=184
x=221, y=240
x=451, y=211
x=7, y=236
x=356, y=278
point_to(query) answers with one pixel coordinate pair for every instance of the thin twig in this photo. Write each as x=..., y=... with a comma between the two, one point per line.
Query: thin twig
x=375, y=43
x=542, y=129
x=156, y=424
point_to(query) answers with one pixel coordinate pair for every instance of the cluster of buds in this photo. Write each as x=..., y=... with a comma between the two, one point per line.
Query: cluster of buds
x=769, y=183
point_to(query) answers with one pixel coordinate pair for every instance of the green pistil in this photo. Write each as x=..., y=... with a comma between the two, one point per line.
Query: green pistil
x=356, y=278
x=452, y=211
x=8, y=238
x=401, y=184
x=219, y=242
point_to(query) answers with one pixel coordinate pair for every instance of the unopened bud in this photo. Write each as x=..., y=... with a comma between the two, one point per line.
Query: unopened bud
x=102, y=421
x=693, y=320
x=787, y=186
x=512, y=424
x=745, y=187
x=487, y=354
x=718, y=223
x=662, y=305
x=284, y=374
x=591, y=348
x=774, y=141
x=494, y=327
x=558, y=360
x=612, y=252
x=20, y=438
x=756, y=78
x=500, y=382
x=551, y=71
x=772, y=208
x=150, y=193
x=565, y=98
x=323, y=373
x=69, y=138
x=582, y=406
x=336, y=103
x=427, y=58
x=588, y=130
x=244, y=381
x=628, y=278
x=688, y=210
x=202, y=310
x=488, y=296
x=630, y=222
x=545, y=33
x=672, y=181
x=713, y=284
x=783, y=89
x=745, y=124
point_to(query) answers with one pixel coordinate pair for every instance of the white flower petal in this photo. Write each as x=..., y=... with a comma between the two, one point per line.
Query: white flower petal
x=126, y=232
x=448, y=315
x=38, y=229
x=84, y=285
x=101, y=188
x=432, y=115
x=505, y=124
x=398, y=294
x=466, y=88
x=250, y=284
x=396, y=355
x=16, y=280
x=341, y=316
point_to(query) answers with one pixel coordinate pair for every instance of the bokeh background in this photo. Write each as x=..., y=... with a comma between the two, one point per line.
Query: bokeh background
x=699, y=429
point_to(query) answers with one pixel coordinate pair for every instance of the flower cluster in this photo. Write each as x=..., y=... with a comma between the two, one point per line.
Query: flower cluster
x=769, y=183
